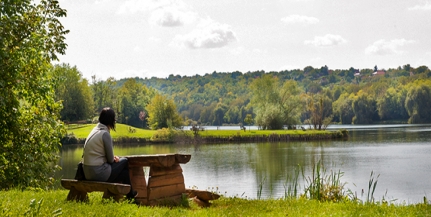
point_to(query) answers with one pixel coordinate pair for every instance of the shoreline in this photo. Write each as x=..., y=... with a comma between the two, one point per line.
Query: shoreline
x=221, y=136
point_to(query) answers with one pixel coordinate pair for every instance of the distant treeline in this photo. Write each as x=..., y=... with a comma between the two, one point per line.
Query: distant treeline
x=315, y=96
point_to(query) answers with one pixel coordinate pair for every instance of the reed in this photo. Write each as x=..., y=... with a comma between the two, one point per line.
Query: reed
x=291, y=185
x=372, y=183
x=259, y=191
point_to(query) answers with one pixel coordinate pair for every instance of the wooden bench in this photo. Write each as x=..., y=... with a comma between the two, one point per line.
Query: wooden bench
x=79, y=189
x=165, y=184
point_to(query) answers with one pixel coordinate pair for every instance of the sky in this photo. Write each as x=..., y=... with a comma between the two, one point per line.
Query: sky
x=145, y=38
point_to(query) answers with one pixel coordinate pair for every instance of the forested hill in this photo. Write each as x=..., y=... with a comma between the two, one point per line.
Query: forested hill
x=359, y=96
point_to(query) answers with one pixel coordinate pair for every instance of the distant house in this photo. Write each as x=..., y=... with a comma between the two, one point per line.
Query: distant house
x=357, y=73
x=379, y=72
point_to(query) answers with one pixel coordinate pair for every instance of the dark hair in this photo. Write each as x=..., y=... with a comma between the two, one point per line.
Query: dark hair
x=107, y=117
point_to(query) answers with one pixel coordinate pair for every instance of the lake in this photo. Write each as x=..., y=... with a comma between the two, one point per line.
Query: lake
x=399, y=154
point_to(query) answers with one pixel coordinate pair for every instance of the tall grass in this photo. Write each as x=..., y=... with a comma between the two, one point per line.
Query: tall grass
x=291, y=185
x=372, y=183
x=322, y=185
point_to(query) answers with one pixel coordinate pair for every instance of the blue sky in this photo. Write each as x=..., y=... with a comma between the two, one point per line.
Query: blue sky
x=144, y=38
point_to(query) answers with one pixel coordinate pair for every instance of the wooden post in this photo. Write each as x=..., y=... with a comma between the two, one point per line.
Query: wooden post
x=166, y=185
x=137, y=178
x=74, y=194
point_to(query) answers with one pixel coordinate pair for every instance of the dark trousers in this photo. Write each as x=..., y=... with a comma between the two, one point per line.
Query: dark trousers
x=120, y=174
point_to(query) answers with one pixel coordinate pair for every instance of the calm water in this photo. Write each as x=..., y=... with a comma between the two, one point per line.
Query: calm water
x=399, y=153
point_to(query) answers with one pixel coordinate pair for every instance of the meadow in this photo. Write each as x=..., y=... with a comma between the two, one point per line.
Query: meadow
x=52, y=203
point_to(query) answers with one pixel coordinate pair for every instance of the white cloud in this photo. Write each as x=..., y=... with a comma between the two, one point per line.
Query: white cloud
x=425, y=7
x=294, y=19
x=167, y=13
x=171, y=16
x=383, y=47
x=208, y=34
x=326, y=41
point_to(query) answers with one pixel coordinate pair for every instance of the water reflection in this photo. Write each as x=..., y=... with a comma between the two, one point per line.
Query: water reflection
x=398, y=153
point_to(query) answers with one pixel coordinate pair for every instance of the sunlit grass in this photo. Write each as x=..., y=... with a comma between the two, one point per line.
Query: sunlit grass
x=51, y=203
x=122, y=130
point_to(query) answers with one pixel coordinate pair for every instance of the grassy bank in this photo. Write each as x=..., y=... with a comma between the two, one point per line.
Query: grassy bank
x=125, y=133
x=52, y=203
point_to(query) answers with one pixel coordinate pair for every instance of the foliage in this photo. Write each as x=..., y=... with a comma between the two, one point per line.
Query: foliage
x=364, y=108
x=324, y=187
x=276, y=105
x=164, y=135
x=163, y=113
x=104, y=94
x=224, y=98
x=74, y=93
x=31, y=37
x=133, y=99
x=418, y=103
x=319, y=111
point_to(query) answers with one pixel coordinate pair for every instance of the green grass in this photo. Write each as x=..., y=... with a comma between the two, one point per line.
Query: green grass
x=122, y=130
x=226, y=133
x=82, y=131
x=52, y=203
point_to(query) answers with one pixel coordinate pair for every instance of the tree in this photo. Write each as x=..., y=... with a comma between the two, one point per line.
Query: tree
x=364, y=108
x=248, y=120
x=276, y=105
x=320, y=111
x=342, y=108
x=134, y=97
x=163, y=113
x=31, y=36
x=418, y=104
x=391, y=106
x=74, y=93
x=104, y=93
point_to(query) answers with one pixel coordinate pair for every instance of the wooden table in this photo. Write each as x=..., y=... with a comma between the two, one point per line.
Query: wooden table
x=166, y=181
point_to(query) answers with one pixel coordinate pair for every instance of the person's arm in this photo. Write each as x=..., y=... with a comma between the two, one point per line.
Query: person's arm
x=109, y=147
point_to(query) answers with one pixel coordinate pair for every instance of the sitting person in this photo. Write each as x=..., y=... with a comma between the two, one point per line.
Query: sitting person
x=99, y=162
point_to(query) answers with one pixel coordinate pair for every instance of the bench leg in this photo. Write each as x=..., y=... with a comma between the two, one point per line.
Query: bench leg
x=77, y=195
x=116, y=197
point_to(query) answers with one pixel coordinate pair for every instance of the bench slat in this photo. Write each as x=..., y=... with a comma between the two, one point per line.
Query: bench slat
x=90, y=186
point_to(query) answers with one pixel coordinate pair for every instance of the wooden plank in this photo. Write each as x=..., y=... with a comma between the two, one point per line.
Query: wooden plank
x=165, y=191
x=201, y=203
x=142, y=160
x=182, y=158
x=170, y=179
x=202, y=195
x=160, y=160
x=165, y=161
x=137, y=178
x=162, y=171
x=90, y=186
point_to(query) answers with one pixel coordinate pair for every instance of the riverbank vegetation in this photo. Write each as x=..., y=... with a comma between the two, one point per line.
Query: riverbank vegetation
x=76, y=134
